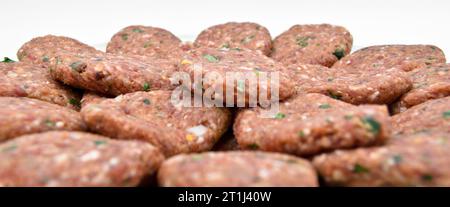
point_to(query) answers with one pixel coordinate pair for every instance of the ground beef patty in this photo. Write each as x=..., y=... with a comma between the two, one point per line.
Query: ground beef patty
x=24, y=80
x=145, y=41
x=321, y=44
x=424, y=160
x=75, y=159
x=355, y=87
x=112, y=74
x=405, y=57
x=19, y=116
x=245, y=62
x=40, y=49
x=236, y=169
x=431, y=82
x=235, y=35
x=151, y=117
x=312, y=123
x=428, y=116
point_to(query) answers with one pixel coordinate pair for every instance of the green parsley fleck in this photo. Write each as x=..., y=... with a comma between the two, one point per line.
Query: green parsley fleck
x=146, y=102
x=324, y=106
x=339, y=53
x=146, y=87
x=7, y=60
x=74, y=102
x=147, y=44
x=211, y=58
x=427, y=177
x=360, y=169
x=78, y=66
x=348, y=117
x=225, y=46
x=137, y=30
x=280, y=116
x=247, y=39
x=253, y=146
x=99, y=142
x=9, y=148
x=301, y=134
x=302, y=41
x=45, y=58
x=124, y=37
x=50, y=123
x=197, y=157
x=397, y=159
x=371, y=124
x=446, y=114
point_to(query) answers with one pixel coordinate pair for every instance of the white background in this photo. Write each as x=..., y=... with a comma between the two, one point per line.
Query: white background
x=95, y=21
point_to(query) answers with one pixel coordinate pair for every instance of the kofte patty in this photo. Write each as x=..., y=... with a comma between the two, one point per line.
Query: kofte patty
x=39, y=50
x=431, y=82
x=145, y=41
x=219, y=67
x=236, y=169
x=320, y=44
x=75, y=159
x=382, y=57
x=424, y=160
x=22, y=79
x=20, y=116
x=152, y=117
x=428, y=116
x=234, y=35
x=309, y=124
x=355, y=87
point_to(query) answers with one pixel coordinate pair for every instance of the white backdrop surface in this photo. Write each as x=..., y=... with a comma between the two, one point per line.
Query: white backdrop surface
x=95, y=21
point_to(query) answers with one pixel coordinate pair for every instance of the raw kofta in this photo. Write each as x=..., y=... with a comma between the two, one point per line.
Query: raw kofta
x=25, y=80
x=112, y=74
x=145, y=41
x=310, y=124
x=220, y=67
x=153, y=117
x=432, y=115
x=75, y=159
x=236, y=35
x=236, y=169
x=431, y=82
x=382, y=57
x=420, y=160
x=319, y=44
x=40, y=50
x=20, y=116
x=355, y=87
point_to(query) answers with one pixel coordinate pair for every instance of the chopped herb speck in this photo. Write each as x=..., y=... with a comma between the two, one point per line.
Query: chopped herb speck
x=247, y=39
x=324, y=106
x=371, y=124
x=146, y=102
x=253, y=146
x=74, y=102
x=146, y=87
x=302, y=41
x=446, y=114
x=45, y=58
x=9, y=148
x=124, y=37
x=360, y=169
x=427, y=177
x=280, y=116
x=137, y=30
x=211, y=58
x=7, y=60
x=99, y=142
x=339, y=53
